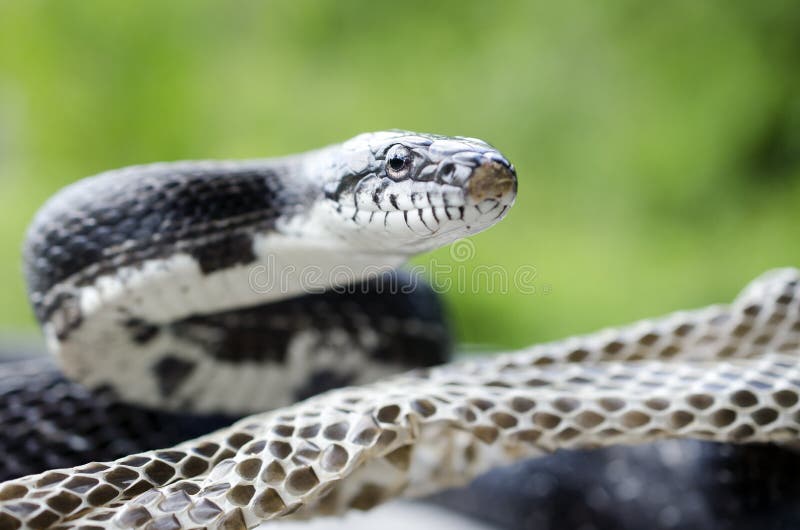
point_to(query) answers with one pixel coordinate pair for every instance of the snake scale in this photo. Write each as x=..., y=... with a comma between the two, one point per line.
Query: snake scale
x=142, y=276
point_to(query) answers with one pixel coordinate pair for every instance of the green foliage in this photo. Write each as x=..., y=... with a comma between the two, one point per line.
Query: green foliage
x=658, y=144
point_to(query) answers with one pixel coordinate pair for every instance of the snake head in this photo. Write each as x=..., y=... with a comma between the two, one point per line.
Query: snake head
x=411, y=192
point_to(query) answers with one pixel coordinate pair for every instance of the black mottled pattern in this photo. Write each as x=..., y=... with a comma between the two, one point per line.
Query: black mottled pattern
x=704, y=485
x=49, y=422
x=404, y=313
x=171, y=372
x=127, y=216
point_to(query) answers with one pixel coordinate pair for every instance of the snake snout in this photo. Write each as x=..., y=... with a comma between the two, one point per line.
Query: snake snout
x=492, y=179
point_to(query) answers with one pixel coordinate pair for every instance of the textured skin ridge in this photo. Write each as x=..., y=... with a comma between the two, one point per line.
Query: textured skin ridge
x=723, y=373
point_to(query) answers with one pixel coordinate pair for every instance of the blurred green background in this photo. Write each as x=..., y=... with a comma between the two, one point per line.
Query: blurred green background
x=657, y=144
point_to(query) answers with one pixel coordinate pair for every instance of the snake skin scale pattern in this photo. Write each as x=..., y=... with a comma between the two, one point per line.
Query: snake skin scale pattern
x=724, y=373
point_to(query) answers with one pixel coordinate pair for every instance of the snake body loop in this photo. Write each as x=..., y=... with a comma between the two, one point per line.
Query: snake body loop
x=175, y=285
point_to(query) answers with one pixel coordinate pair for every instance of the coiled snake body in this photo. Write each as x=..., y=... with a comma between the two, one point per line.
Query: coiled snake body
x=144, y=276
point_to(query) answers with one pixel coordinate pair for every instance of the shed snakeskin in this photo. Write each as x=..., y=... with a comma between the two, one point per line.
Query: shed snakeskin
x=724, y=373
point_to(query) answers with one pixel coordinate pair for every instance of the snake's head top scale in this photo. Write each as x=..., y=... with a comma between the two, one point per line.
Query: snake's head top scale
x=410, y=192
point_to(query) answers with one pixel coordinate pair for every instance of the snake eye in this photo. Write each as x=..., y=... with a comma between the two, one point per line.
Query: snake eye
x=398, y=162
